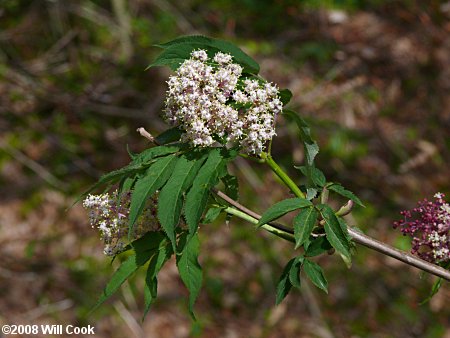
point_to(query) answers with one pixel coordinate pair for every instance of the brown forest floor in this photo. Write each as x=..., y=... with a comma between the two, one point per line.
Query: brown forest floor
x=373, y=81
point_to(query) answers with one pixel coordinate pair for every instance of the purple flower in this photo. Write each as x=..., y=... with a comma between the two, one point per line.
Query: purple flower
x=429, y=226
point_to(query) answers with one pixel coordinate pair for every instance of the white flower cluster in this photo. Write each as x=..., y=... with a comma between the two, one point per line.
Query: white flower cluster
x=210, y=102
x=110, y=216
x=440, y=246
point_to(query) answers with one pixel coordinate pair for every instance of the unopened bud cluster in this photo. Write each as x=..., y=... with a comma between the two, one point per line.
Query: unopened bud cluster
x=429, y=226
x=211, y=102
x=109, y=214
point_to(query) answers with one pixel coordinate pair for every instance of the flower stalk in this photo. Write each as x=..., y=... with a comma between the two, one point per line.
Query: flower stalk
x=282, y=175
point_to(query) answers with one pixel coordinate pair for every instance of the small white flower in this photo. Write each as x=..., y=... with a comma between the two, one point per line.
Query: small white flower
x=200, y=55
x=222, y=58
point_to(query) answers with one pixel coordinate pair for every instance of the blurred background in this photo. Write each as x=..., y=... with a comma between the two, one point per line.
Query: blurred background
x=371, y=77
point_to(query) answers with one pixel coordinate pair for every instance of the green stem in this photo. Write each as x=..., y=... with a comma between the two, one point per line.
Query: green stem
x=282, y=175
x=259, y=160
x=277, y=232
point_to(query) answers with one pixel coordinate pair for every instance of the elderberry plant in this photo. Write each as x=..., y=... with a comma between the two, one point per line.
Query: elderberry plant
x=218, y=108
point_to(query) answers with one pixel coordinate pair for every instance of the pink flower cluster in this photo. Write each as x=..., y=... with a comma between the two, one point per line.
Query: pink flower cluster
x=429, y=226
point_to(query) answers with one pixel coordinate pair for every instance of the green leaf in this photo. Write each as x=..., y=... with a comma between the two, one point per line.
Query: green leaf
x=294, y=273
x=281, y=208
x=315, y=274
x=144, y=249
x=284, y=284
x=434, y=290
x=207, y=177
x=178, y=50
x=155, y=177
x=151, y=241
x=189, y=268
x=151, y=282
x=126, y=184
x=304, y=223
x=311, y=147
x=285, y=96
x=311, y=193
x=112, y=177
x=155, y=152
x=339, y=189
x=317, y=246
x=212, y=214
x=335, y=234
x=317, y=175
x=125, y=270
x=169, y=136
x=231, y=186
x=170, y=201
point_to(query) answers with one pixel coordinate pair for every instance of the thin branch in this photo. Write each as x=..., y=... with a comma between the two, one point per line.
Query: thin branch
x=361, y=239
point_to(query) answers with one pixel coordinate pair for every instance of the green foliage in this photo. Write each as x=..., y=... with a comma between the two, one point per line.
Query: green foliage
x=144, y=248
x=161, y=256
x=285, y=96
x=208, y=176
x=212, y=214
x=310, y=146
x=185, y=176
x=281, y=208
x=294, y=272
x=189, y=268
x=171, y=197
x=317, y=246
x=339, y=189
x=178, y=50
x=231, y=186
x=169, y=136
x=317, y=176
x=337, y=237
x=155, y=177
x=315, y=274
x=284, y=284
x=304, y=223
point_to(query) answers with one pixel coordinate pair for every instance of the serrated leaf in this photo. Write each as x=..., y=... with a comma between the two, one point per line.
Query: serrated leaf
x=212, y=214
x=317, y=175
x=231, y=186
x=144, y=249
x=281, y=208
x=169, y=136
x=151, y=282
x=170, y=201
x=155, y=177
x=335, y=235
x=315, y=274
x=178, y=50
x=155, y=152
x=304, y=223
x=125, y=270
x=318, y=246
x=311, y=147
x=112, y=177
x=294, y=273
x=285, y=96
x=284, y=284
x=197, y=197
x=189, y=268
x=339, y=189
